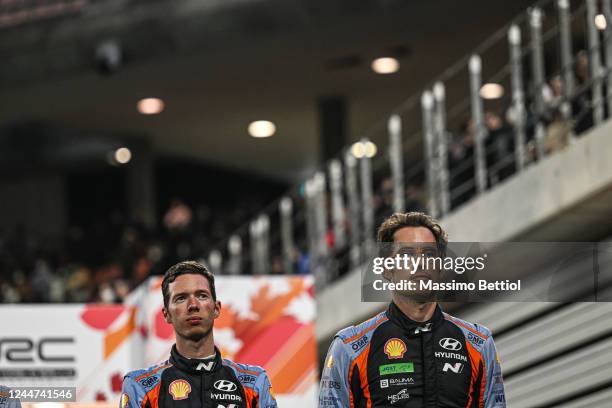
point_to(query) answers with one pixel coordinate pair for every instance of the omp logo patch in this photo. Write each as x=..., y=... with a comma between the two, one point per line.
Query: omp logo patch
x=475, y=339
x=149, y=382
x=359, y=343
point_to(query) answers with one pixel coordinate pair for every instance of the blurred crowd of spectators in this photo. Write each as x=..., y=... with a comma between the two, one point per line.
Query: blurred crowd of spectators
x=104, y=261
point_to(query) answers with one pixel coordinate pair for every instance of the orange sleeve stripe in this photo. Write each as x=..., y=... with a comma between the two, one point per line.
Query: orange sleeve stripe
x=152, y=372
x=375, y=325
x=255, y=373
x=479, y=334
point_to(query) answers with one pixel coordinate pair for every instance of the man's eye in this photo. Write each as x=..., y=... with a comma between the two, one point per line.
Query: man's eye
x=179, y=299
x=203, y=296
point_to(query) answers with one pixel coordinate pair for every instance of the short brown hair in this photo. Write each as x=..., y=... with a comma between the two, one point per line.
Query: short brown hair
x=183, y=268
x=412, y=219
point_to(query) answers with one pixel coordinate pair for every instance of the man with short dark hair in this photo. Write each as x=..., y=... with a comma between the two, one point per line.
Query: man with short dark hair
x=412, y=354
x=195, y=375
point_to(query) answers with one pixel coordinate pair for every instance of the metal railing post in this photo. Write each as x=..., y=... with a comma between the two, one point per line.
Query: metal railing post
x=480, y=131
x=595, y=63
x=427, y=103
x=285, y=208
x=537, y=70
x=567, y=69
x=441, y=147
x=396, y=159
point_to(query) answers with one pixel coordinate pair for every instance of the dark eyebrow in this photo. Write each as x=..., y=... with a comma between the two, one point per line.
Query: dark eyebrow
x=175, y=295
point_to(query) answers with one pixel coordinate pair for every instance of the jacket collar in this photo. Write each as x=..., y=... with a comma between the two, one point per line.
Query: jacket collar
x=195, y=365
x=399, y=318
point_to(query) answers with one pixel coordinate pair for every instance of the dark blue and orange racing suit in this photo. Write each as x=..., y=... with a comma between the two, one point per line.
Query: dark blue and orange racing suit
x=193, y=383
x=393, y=361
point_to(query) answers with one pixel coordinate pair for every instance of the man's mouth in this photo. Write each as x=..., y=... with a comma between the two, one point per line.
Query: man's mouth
x=194, y=320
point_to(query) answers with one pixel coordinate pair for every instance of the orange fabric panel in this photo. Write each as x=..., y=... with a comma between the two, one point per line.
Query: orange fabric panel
x=361, y=362
x=152, y=397
x=477, y=364
x=250, y=396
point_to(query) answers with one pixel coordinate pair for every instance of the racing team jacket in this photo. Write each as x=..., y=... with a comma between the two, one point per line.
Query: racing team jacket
x=190, y=383
x=393, y=361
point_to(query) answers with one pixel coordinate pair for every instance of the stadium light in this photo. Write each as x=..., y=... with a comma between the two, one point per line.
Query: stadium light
x=262, y=128
x=491, y=91
x=600, y=22
x=150, y=106
x=123, y=155
x=385, y=65
x=361, y=149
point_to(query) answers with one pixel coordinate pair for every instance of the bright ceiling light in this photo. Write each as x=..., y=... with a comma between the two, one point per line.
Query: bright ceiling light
x=262, y=128
x=385, y=65
x=364, y=149
x=600, y=22
x=123, y=155
x=492, y=91
x=150, y=106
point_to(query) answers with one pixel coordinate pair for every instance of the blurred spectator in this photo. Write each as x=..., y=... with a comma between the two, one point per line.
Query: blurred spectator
x=499, y=146
x=178, y=218
x=581, y=105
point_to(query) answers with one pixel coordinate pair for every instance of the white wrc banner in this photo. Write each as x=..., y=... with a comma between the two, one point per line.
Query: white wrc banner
x=266, y=321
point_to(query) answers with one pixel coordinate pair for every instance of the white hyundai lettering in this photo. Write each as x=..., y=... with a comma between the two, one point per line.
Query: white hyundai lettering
x=450, y=344
x=224, y=385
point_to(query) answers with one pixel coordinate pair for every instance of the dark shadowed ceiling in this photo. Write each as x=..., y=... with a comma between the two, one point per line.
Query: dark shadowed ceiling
x=219, y=64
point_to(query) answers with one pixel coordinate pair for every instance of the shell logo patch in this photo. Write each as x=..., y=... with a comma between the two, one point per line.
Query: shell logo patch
x=395, y=348
x=179, y=389
x=124, y=400
x=330, y=362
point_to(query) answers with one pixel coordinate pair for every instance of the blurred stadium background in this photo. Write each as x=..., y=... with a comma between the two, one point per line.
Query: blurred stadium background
x=268, y=139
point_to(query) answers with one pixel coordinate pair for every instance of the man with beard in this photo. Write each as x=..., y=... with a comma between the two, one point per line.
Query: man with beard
x=195, y=375
x=413, y=354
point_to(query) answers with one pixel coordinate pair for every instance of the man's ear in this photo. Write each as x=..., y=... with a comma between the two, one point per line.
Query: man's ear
x=166, y=314
x=217, y=310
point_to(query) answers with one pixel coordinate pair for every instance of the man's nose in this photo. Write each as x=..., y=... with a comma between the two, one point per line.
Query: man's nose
x=193, y=303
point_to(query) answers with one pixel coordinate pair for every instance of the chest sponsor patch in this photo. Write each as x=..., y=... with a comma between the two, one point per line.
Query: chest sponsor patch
x=396, y=382
x=395, y=348
x=401, y=395
x=449, y=355
x=456, y=368
x=179, y=389
x=398, y=368
x=225, y=397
